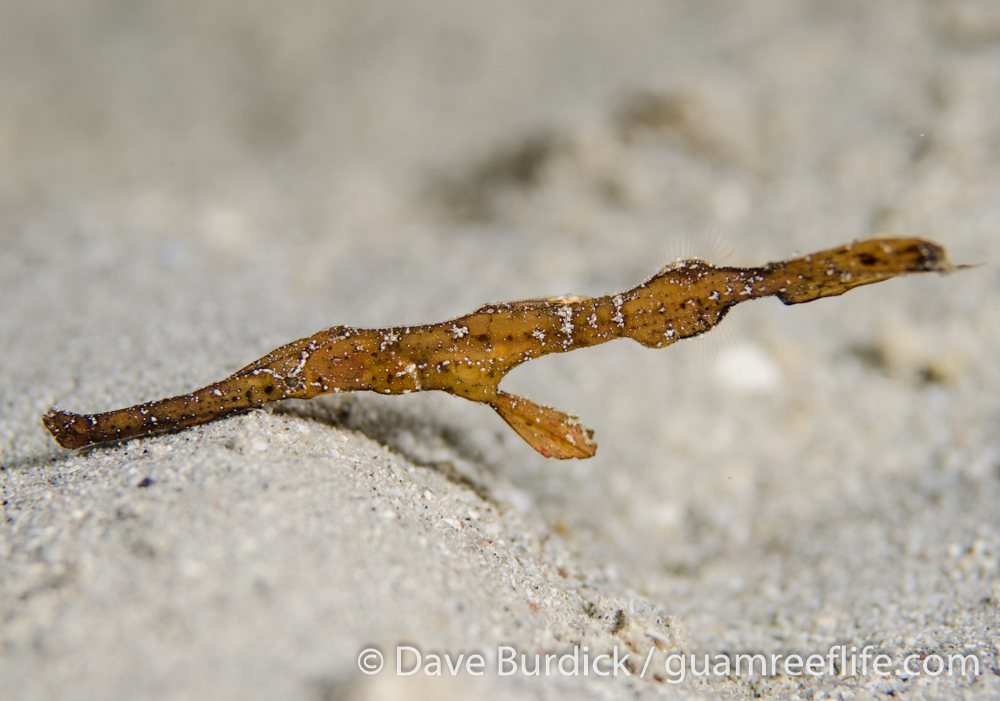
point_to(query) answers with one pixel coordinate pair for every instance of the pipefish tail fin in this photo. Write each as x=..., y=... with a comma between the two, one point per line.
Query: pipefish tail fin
x=81, y=430
x=550, y=432
x=70, y=430
x=74, y=431
x=835, y=271
x=212, y=402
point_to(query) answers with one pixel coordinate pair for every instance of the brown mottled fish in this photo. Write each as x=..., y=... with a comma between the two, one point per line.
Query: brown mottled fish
x=468, y=356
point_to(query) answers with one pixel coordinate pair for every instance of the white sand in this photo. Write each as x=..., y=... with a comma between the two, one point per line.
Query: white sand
x=186, y=186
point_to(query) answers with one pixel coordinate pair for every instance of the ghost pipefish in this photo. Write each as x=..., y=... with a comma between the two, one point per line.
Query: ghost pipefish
x=469, y=355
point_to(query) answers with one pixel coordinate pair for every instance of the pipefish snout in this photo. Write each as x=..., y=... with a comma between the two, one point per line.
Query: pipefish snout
x=469, y=355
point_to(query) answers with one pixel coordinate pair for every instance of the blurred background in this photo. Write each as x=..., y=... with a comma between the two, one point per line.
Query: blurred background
x=186, y=185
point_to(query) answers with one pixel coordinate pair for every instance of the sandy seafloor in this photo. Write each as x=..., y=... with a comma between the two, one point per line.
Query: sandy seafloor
x=185, y=186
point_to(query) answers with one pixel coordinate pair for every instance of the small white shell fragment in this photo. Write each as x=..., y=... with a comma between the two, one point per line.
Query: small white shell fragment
x=747, y=369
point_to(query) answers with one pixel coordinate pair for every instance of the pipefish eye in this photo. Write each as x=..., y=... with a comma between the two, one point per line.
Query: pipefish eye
x=291, y=381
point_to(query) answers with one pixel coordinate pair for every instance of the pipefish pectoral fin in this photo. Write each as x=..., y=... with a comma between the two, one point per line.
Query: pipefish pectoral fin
x=552, y=433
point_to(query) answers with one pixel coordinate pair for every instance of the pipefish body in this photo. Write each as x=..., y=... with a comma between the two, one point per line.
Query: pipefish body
x=469, y=355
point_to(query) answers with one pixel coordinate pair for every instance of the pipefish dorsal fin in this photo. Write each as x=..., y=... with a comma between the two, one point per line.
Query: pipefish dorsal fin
x=531, y=304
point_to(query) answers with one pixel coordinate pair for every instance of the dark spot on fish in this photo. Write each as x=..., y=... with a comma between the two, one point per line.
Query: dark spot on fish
x=932, y=256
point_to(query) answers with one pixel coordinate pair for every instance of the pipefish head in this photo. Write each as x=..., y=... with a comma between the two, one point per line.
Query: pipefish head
x=934, y=259
x=837, y=270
